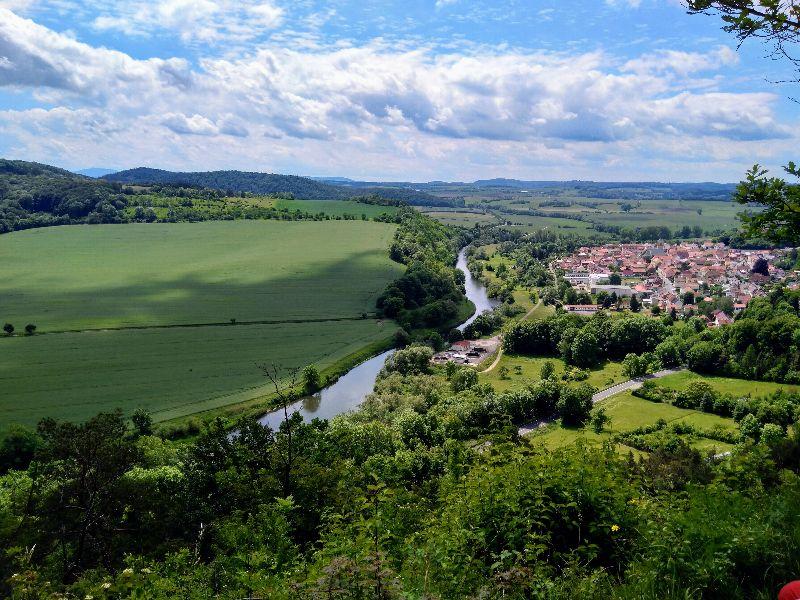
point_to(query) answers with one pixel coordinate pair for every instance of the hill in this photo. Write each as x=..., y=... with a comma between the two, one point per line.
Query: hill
x=303, y=188
x=37, y=195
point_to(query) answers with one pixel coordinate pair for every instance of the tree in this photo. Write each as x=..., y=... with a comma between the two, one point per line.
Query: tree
x=585, y=348
x=464, y=379
x=503, y=372
x=310, y=379
x=142, y=422
x=771, y=434
x=414, y=360
x=750, y=428
x=599, y=420
x=760, y=266
x=615, y=279
x=688, y=297
x=634, y=366
x=8, y=328
x=635, y=304
x=778, y=24
x=30, y=329
x=548, y=370
x=575, y=404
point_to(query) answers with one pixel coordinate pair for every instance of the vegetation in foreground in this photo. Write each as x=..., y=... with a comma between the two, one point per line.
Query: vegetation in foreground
x=426, y=492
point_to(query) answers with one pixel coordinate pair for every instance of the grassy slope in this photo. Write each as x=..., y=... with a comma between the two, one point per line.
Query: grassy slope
x=92, y=277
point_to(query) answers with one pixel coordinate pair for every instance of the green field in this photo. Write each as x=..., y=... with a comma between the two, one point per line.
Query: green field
x=171, y=372
x=628, y=412
x=136, y=316
x=335, y=208
x=524, y=370
x=89, y=277
x=726, y=385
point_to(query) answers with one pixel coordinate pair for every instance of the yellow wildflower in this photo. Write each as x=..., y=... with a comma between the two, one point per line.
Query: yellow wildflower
x=615, y=528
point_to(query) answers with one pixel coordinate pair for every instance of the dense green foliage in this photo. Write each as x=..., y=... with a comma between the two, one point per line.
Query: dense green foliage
x=391, y=502
x=430, y=292
x=585, y=341
x=34, y=195
x=763, y=343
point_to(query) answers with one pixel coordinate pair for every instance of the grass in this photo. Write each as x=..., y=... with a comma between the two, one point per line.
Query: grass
x=140, y=315
x=627, y=412
x=170, y=372
x=335, y=208
x=81, y=277
x=459, y=219
x=726, y=385
x=530, y=367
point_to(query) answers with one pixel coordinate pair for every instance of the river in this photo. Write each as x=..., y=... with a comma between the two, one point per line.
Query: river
x=352, y=388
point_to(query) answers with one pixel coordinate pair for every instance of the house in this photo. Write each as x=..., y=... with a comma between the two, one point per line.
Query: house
x=719, y=318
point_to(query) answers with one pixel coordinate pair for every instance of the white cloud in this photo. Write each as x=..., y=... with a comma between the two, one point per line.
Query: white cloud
x=208, y=21
x=375, y=108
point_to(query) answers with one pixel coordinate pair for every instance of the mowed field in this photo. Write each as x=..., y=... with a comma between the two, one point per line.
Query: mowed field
x=139, y=315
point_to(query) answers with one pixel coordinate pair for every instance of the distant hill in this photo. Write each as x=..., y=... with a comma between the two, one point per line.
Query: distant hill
x=303, y=188
x=96, y=172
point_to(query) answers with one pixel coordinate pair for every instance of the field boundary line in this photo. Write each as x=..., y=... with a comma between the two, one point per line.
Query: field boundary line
x=370, y=317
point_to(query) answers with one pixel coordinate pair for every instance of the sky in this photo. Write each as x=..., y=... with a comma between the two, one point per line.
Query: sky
x=410, y=90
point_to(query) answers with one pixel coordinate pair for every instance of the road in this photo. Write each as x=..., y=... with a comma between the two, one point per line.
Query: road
x=631, y=384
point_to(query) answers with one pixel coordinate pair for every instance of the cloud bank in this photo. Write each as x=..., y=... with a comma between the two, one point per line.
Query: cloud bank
x=412, y=112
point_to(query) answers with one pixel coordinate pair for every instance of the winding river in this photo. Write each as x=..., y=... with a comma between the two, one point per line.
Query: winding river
x=352, y=388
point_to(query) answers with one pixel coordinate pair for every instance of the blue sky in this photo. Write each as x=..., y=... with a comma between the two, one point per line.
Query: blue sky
x=411, y=90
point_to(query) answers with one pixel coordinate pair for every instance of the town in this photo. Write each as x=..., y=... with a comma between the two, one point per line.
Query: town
x=671, y=277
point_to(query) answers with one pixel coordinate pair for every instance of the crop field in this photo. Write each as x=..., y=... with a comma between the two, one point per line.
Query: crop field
x=170, y=372
x=93, y=277
x=136, y=316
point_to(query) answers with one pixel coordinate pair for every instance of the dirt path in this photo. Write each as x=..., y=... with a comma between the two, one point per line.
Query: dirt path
x=500, y=349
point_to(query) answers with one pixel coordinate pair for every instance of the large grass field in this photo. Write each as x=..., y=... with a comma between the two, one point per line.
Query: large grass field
x=135, y=316
x=170, y=372
x=82, y=277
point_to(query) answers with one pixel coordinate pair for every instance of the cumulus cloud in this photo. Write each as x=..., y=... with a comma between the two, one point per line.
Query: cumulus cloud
x=369, y=105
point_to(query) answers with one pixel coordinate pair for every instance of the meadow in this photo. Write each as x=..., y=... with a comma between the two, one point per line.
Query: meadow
x=627, y=413
x=134, y=316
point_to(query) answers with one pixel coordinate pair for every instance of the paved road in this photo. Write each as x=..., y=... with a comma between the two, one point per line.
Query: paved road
x=631, y=384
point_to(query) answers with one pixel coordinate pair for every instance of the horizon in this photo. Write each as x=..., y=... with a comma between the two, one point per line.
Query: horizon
x=325, y=178
x=427, y=90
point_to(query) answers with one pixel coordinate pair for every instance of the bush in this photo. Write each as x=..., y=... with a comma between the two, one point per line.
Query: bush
x=464, y=379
